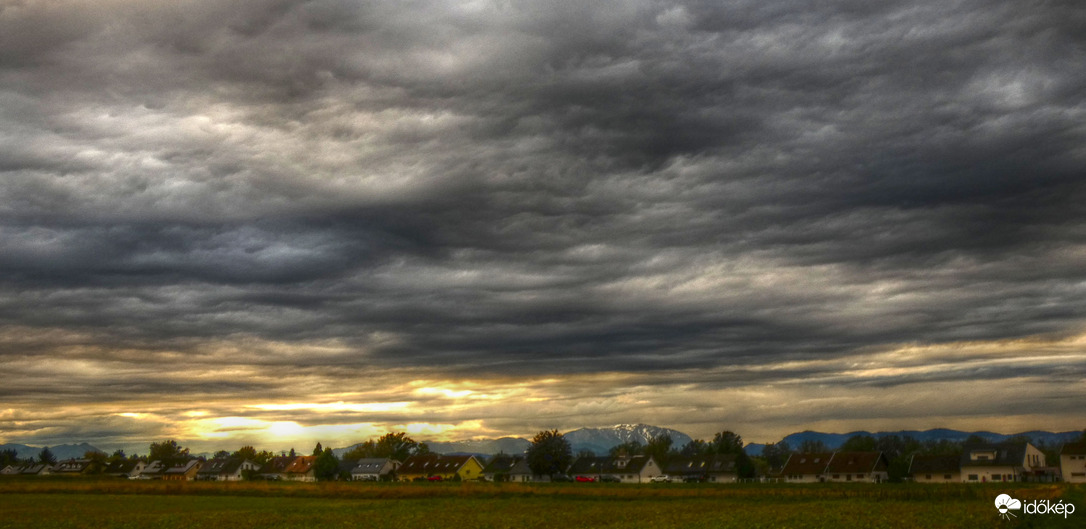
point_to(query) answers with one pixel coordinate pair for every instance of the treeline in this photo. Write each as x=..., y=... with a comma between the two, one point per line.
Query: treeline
x=549, y=453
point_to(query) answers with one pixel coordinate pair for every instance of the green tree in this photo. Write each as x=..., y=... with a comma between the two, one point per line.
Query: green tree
x=8, y=457
x=776, y=454
x=169, y=452
x=46, y=457
x=398, y=446
x=361, y=451
x=659, y=448
x=812, y=446
x=118, y=455
x=549, y=453
x=727, y=442
x=317, y=450
x=98, y=461
x=327, y=465
x=221, y=454
x=627, y=449
x=696, y=447
x=245, y=453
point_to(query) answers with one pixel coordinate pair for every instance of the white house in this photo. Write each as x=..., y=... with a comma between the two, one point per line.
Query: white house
x=374, y=469
x=1073, y=462
x=1000, y=462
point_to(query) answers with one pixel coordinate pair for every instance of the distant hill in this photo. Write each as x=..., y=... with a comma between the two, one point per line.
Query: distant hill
x=65, y=451
x=835, y=440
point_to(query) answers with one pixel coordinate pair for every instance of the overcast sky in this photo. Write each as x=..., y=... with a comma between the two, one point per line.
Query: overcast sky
x=290, y=221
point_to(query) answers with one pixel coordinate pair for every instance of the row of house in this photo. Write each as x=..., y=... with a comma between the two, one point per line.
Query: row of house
x=978, y=463
x=1001, y=462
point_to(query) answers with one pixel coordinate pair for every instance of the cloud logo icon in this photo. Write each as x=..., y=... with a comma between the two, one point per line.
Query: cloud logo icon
x=1005, y=504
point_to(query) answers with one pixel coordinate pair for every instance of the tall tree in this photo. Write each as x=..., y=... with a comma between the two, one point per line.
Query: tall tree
x=245, y=453
x=727, y=442
x=8, y=457
x=696, y=447
x=398, y=446
x=776, y=454
x=549, y=453
x=659, y=448
x=46, y=457
x=627, y=449
x=812, y=446
x=317, y=450
x=327, y=465
x=168, y=452
x=361, y=451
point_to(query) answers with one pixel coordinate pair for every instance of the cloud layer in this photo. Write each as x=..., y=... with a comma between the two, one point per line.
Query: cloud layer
x=214, y=205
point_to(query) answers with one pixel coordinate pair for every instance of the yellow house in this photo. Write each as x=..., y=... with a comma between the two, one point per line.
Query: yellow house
x=435, y=466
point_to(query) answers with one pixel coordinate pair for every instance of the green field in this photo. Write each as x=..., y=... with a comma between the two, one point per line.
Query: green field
x=70, y=503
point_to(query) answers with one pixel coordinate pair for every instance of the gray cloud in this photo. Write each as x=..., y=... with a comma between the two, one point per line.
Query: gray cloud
x=535, y=189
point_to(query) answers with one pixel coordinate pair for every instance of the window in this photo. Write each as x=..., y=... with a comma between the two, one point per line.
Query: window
x=972, y=477
x=837, y=476
x=946, y=476
x=927, y=476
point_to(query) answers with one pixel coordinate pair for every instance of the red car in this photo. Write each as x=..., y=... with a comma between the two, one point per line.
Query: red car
x=434, y=478
x=585, y=479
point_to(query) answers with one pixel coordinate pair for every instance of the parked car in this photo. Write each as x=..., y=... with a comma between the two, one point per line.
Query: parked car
x=662, y=478
x=585, y=479
x=562, y=478
x=694, y=479
x=609, y=479
x=434, y=478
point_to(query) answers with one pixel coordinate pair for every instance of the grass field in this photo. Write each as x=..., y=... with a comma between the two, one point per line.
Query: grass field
x=71, y=503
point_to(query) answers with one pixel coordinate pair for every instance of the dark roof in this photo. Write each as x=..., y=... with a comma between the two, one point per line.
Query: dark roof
x=501, y=464
x=1076, y=449
x=857, y=462
x=926, y=464
x=227, y=466
x=702, y=465
x=71, y=466
x=802, y=464
x=277, y=464
x=1001, y=454
x=369, y=465
x=608, y=465
x=122, y=466
x=433, y=464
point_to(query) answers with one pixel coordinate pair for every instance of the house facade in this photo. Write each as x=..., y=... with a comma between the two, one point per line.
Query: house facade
x=499, y=467
x=274, y=468
x=374, y=469
x=421, y=467
x=806, y=467
x=125, y=468
x=182, y=471
x=935, y=469
x=72, y=467
x=225, y=469
x=635, y=469
x=857, y=467
x=1000, y=462
x=520, y=472
x=301, y=468
x=715, y=468
x=1073, y=462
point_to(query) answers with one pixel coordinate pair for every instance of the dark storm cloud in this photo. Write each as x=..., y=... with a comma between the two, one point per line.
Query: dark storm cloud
x=538, y=188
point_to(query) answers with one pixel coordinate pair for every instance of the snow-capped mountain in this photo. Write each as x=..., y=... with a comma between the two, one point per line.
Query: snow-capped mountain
x=600, y=440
